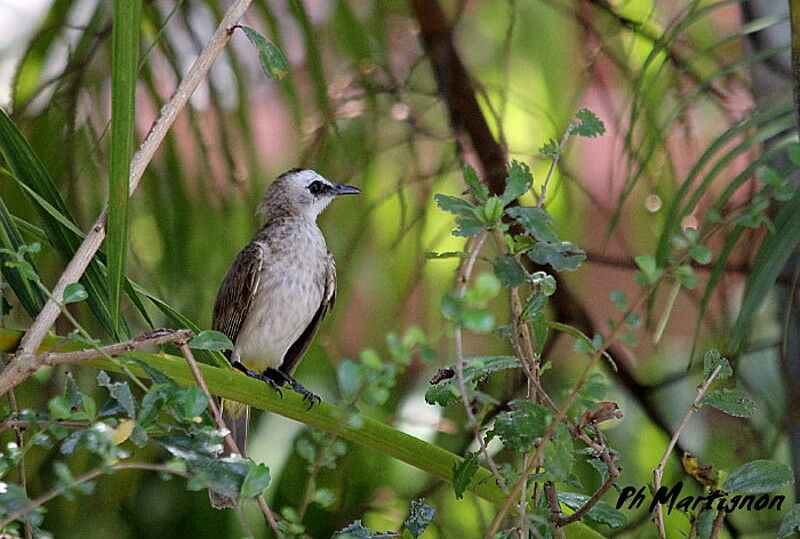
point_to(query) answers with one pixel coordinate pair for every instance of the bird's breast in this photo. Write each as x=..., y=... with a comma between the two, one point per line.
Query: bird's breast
x=289, y=293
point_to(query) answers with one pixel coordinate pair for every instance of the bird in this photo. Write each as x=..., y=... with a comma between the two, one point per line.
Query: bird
x=277, y=290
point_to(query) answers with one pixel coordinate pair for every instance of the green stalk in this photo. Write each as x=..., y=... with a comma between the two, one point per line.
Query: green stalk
x=127, y=14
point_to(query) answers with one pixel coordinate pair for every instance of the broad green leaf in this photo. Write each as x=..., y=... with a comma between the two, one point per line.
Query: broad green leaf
x=711, y=360
x=731, y=401
x=468, y=226
x=562, y=256
x=74, y=292
x=649, y=268
x=463, y=472
x=701, y=254
x=272, y=60
x=477, y=188
x=520, y=427
x=211, y=340
x=124, y=62
x=536, y=221
x=602, y=512
x=509, y=271
x=518, y=182
x=454, y=205
x=757, y=477
x=256, y=481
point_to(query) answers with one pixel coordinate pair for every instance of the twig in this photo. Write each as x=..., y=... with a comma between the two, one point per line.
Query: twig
x=553, y=504
x=717, y=525
x=658, y=473
x=88, y=476
x=212, y=403
x=151, y=338
x=25, y=362
x=463, y=278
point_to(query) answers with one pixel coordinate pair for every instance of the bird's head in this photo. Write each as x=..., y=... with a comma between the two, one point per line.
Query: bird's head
x=302, y=192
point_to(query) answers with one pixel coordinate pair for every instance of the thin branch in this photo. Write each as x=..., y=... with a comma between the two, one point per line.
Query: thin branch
x=25, y=362
x=658, y=473
x=215, y=412
x=151, y=338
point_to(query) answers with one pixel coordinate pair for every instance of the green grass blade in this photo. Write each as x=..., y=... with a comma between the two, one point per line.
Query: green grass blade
x=125, y=38
x=29, y=295
x=28, y=169
x=775, y=250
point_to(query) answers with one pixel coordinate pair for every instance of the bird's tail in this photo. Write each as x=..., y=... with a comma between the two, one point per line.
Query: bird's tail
x=236, y=416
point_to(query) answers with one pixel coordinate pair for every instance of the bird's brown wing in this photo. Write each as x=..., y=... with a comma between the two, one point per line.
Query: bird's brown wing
x=237, y=292
x=295, y=352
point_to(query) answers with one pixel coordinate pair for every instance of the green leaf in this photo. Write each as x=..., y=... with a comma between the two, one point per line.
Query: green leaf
x=454, y=205
x=463, y=472
x=771, y=257
x=74, y=292
x=124, y=62
x=120, y=392
x=491, y=211
x=509, y=271
x=28, y=170
x=587, y=124
x=700, y=253
x=551, y=148
x=711, y=360
x=518, y=182
x=520, y=427
x=602, y=512
x=357, y=530
x=211, y=340
x=649, y=268
x=731, y=401
x=757, y=477
x=272, y=60
x=791, y=522
x=468, y=226
x=448, y=254
x=477, y=188
x=536, y=221
x=419, y=517
x=29, y=294
x=256, y=481
x=561, y=256
x=768, y=176
x=685, y=276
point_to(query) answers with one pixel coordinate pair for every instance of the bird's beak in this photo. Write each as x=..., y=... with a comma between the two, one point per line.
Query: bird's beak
x=342, y=189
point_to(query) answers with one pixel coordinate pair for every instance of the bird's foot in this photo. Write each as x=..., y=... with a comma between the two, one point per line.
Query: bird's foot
x=264, y=378
x=295, y=385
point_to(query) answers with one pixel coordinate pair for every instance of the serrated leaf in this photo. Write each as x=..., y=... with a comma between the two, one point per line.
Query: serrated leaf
x=602, y=512
x=477, y=188
x=562, y=256
x=211, y=340
x=120, y=392
x=791, y=522
x=536, y=221
x=520, y=427
x=550, y=148
x=74, y=293
x=357, y=530
x=587, y=124
x=711, y=360
x=468, y=226
x=454, y=205
x=757, y=477
x=272, y=60
x=463, y=472
x=256, y=481
x=518, y=182
x=731, y=401
x=509, y=271
x=419, y=517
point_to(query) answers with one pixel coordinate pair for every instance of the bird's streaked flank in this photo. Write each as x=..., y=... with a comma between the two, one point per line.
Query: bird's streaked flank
x=277, y=291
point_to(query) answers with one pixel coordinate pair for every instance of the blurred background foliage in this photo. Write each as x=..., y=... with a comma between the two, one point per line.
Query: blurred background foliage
x=695, y=96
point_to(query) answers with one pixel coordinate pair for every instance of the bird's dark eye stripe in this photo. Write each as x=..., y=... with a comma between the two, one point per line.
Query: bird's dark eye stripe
x=316, y=187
